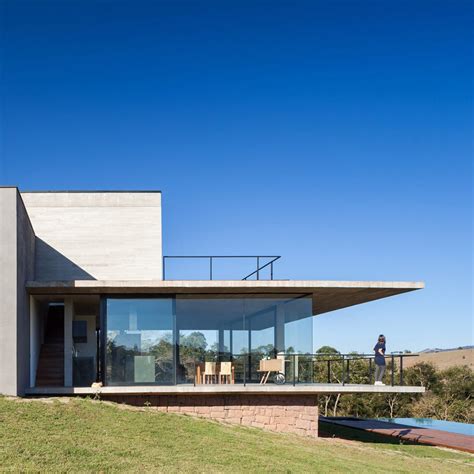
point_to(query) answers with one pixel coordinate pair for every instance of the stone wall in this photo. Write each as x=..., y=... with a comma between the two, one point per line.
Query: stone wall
x=281, y=413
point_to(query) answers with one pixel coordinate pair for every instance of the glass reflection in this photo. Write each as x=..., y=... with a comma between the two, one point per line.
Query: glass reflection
x=148, y=343
x=139, y=346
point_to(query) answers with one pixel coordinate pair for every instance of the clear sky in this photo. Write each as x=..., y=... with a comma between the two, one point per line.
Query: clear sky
x=337, y=134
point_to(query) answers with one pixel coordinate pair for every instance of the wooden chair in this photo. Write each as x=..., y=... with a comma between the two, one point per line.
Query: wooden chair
x=226, y=374
x=198, y=375
x=210, y=372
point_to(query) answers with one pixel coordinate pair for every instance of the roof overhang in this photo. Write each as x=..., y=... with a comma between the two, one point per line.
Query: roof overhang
x=327, y=295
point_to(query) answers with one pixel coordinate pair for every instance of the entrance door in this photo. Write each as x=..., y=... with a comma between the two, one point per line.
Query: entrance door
x=50, y=371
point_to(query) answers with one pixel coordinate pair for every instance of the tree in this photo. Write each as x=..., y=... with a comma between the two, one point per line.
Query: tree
x=422, y=374
x=321, y=372
x=455, y=394
x=448, y=396
x=327, y=350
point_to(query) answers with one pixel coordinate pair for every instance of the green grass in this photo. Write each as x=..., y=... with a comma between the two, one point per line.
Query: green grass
x=85, y=435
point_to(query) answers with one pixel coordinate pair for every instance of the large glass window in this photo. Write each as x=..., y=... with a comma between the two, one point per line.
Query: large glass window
x=242, y=329
x=140, y=345
x=148, y=343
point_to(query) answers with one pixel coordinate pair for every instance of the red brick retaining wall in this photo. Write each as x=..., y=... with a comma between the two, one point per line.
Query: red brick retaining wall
x=282, y=413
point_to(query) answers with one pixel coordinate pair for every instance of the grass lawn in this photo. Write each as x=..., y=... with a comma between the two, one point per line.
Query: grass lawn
x=85, y=435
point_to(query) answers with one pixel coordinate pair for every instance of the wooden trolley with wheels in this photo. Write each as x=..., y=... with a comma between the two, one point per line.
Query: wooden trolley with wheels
x=267, y=366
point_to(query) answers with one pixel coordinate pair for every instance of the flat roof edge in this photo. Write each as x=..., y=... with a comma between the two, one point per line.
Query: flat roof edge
x=230, y=284
x=84, y=191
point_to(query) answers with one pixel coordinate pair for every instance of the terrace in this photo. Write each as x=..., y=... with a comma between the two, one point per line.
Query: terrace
x=208, y=335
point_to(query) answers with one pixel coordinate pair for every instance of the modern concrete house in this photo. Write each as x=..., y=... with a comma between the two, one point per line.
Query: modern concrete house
x=84, y=300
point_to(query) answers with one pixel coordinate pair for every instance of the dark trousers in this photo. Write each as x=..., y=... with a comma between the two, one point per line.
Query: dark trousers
x=379, y=372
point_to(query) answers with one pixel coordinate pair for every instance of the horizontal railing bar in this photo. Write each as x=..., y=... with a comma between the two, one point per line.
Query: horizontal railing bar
x=222, y=256
x=345, y=356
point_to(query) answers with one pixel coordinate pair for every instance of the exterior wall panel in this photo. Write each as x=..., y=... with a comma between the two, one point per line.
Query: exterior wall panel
x=96, y=236
x=8, y=298
x=17, y=246
x=25, y=271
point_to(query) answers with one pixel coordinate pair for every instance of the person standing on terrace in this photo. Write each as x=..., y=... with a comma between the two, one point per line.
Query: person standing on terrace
x=379, y=350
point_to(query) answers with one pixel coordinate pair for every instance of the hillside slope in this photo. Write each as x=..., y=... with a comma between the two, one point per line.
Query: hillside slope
x=444, y=359
x=84, y=435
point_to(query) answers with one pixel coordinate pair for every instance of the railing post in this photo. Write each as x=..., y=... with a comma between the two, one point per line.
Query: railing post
x=258, y=268
x=245, y=372
x=271, y=271
x=329, y=370
x=294, y=370
x=210, y=268
x=164, y=259
x=370, y=370
x=195, y=375
x=343, y=371
x=401, y=370
x=393, y=371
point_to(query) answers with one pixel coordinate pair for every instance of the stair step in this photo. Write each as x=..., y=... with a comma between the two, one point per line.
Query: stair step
x=50, y=384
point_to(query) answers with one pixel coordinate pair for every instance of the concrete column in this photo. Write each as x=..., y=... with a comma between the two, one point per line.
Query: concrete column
x=280, y=328
x=68, y=317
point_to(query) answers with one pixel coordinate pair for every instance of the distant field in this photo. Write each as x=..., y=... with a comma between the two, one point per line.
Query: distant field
x=76, y=435
x=444, y=360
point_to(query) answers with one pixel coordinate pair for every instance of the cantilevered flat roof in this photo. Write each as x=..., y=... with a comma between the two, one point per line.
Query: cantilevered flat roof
x=327, y=295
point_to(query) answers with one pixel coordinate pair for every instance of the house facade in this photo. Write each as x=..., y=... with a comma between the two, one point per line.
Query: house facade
x=89, y=304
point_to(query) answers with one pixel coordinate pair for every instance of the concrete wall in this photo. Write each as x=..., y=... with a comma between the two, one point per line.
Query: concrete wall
x=8, y=293
x=96, y=235
x=17, y=249
x=25, y=271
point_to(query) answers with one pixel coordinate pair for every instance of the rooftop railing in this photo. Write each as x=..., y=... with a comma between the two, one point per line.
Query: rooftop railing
x=260, y=263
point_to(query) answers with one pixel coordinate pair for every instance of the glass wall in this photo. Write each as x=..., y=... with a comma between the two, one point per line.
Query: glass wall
x=139, y=344
x=164, y=340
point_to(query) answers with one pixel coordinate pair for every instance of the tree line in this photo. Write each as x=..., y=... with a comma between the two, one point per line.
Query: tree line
x=449, y=393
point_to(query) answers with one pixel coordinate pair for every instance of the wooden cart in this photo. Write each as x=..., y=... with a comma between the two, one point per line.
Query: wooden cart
x=267, y=366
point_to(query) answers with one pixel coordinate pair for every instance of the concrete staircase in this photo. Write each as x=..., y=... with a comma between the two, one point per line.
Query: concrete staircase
x=50, y=371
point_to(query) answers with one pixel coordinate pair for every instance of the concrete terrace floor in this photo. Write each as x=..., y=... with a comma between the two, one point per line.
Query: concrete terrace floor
x=250, y=388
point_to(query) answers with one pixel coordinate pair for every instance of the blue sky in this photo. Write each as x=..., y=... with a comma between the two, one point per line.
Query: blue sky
x=337, y=134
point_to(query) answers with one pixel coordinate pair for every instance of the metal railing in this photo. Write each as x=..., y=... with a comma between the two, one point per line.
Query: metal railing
x=307, y=368
x=211, y=258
